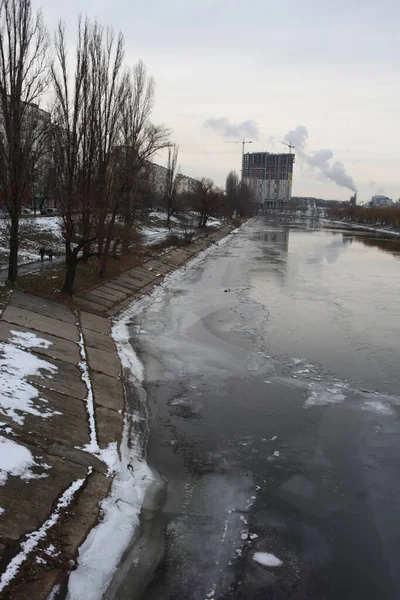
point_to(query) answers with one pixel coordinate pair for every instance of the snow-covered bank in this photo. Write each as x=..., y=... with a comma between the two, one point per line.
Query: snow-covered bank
x=101, y=552
x=362, y=227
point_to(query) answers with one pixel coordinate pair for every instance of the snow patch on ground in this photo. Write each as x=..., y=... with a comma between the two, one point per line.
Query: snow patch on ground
x=35, y=537
x=101, y=552
x=93, y=445
x=267, y=560
x=54, y=592
x=17, y=395
x=28, y=340
x=16, y=460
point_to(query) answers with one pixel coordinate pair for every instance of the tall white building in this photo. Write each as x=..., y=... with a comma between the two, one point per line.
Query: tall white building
x=269, y=176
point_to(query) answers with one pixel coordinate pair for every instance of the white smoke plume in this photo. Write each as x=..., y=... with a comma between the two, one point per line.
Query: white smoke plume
x=225, y=128
x=320, y=160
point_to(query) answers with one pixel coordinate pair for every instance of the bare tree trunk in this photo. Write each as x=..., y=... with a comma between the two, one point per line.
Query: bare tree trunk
x=68, y=287
x=14, y=242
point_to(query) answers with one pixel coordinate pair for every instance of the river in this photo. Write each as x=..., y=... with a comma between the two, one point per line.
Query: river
x=273, y=383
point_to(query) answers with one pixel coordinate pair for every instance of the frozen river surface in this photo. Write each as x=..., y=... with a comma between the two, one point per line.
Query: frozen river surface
x=273, y=382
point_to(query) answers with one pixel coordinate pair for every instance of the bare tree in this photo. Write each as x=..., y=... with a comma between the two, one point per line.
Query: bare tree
x=232, y=191
x=75, y=146
x=141, y=138
x=239, y=198
x=23, y=126
x=170, y=182
x=207, y=201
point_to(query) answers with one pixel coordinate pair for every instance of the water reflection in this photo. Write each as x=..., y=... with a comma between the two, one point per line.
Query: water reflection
x=277, y=238
x=385, y=243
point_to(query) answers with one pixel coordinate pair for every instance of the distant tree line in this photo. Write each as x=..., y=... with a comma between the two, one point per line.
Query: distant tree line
x=374, y=216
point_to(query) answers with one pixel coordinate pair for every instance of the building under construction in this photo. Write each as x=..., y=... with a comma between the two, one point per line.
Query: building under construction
x=269, y=176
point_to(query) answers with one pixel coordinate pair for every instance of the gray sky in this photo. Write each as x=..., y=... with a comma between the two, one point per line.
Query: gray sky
x=331, y=66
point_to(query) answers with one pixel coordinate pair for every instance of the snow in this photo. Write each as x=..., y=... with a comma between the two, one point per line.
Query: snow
x=18, y=396
x=320, y=395
x=35, y=537
x=52, y=224
x=378, y=407
x=54, y=592
x=108, y=455
x=128, y=357
x=16, y=460
x=93, y=445
x=267, y=560
x=102, y=550
x=28, y=340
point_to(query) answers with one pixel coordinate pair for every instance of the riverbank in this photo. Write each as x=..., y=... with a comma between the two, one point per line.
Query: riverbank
x=74, y=431
x=351, y=225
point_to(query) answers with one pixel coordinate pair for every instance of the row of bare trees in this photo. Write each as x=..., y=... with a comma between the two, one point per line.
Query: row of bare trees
x=98, y=136
x=93, y=146
x=375, y=216
x=103, y=138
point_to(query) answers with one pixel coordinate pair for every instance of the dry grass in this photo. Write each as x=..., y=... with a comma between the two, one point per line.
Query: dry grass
x=49, y=282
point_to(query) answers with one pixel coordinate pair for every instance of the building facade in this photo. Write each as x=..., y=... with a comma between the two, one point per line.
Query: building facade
x=186, y=185
x=269, y=176
x=158, y=178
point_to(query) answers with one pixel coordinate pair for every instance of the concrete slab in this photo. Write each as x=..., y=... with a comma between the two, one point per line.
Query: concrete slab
x=102, y=293
x=118, y=287
x=78, y=456
x=38, y=586
x=95, y=323
x=103, y=362
x=108, y=391
x=148, y=288
x=27, y=504
x=32, y=320
x=102, y=301
x=60, y=349
x=69, y=427
x=137, y=274
x=98, y=340
x=43, y=307
x=122, y=305
x=109, y=426
x=84, y=513
x=142, y=275
x=88, y=305
x=158, y=267
x=139, y=283
x=118, y=296
x=126, y=281
x=67, y=380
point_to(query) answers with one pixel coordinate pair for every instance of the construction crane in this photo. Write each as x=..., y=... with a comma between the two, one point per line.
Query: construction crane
x=243, y=142
x=289, y=146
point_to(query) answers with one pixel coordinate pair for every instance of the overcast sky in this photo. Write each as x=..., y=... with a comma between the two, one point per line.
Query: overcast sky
x=272, y=65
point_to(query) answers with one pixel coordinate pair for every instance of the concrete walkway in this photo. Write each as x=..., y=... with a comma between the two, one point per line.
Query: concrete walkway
x=32, y=267
x=114, y=295
x=54, y=427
